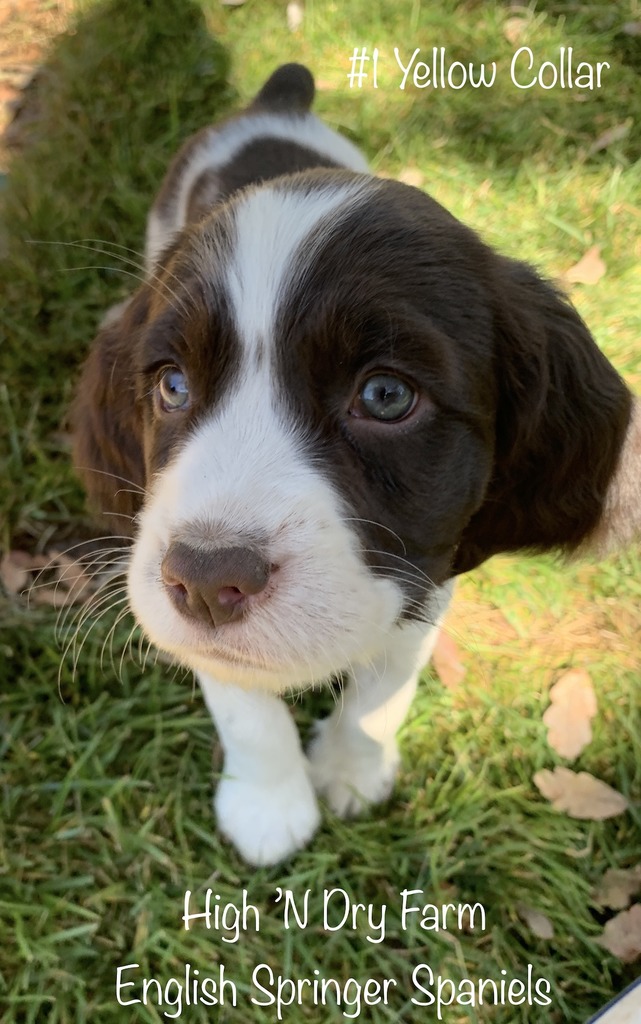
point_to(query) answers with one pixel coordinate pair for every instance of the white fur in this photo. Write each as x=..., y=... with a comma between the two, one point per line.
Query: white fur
x=354, y=756
x=278, y=233
x=265, y=802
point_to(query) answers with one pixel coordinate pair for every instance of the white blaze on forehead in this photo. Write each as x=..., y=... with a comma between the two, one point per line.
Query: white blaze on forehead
x=278, y=233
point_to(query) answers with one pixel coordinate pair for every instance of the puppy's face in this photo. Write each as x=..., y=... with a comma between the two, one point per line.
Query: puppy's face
x=334, y=398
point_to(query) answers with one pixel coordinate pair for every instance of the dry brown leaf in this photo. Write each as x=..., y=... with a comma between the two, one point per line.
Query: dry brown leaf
x=617, y=887
x=580, y=795
x=632, y=28
x=513, y=29
x=622, y=935
x=447, y=663
x=611, y=135
x=412, y=176
x=538, y=923
x=295, y=15
x=572, y=706
x=14, y=572
x=588, y=270
x=51, y=579
x=18, y=570
x=70, y=583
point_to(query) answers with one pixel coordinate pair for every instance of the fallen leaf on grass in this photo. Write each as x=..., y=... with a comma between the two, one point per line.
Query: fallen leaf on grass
x=50, y=579
x=295, y=15
x=14, y=571
x=412, y=176
x=588, y=270
x=513, y=29
x=617, y=887
x=538, y=923
x=580, y=795
x=572, y=706
x=70, y=583
x=632, y=28
x=610, y=136
x=622, y=935
x=447, y=663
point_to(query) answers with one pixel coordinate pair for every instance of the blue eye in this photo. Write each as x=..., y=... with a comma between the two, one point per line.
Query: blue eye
x=385, y=397
x=173, y=389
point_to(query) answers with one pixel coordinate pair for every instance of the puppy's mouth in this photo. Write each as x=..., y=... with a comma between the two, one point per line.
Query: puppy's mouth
x=235, y=659
x=226, y=647
x=222, y=633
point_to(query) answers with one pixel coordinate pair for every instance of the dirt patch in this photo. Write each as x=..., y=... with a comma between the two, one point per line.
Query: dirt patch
x=26, y=29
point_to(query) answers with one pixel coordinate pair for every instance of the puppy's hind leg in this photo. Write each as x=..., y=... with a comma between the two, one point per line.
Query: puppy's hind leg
x=354, y=755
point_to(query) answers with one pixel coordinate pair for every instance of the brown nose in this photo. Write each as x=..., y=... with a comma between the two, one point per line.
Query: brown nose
x=213, y=586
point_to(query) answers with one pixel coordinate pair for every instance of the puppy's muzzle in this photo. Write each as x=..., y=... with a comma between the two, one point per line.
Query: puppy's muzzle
x=213, y=586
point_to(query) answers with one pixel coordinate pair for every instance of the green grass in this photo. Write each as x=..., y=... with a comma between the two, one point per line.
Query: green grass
x=106, y=816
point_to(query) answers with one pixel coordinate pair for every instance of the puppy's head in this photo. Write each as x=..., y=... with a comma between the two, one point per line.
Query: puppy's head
x=332, y=398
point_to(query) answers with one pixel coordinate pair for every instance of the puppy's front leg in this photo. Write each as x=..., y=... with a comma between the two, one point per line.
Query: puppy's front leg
x=265, y=802
x=354, y=756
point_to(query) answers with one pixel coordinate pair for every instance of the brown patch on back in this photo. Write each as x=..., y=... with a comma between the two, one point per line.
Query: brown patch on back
x=264, y=158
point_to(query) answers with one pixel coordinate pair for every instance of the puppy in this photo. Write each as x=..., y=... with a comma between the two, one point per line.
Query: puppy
x=327, y=400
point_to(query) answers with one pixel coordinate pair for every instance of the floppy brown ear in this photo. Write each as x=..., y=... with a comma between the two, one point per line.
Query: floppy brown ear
x=562, y=418
x=106, y=419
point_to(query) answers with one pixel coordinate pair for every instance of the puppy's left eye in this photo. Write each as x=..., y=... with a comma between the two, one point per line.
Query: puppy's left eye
x=173, y=389
x=384, y=397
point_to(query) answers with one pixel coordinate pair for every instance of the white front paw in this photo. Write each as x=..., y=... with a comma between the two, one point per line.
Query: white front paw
x=351, y=771
x=267, y=823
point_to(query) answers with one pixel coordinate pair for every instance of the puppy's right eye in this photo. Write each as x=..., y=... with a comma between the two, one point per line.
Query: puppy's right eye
x=173, y=390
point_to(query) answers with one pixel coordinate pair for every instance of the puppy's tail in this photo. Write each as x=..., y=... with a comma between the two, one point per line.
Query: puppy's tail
x=289, y=90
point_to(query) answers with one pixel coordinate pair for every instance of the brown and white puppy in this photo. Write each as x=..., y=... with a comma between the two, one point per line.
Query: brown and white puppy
x=331, y=398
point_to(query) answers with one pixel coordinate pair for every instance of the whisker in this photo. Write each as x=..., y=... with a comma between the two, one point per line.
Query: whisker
x=141, y=263
x=73, y=639
x=115, y=476
x=127, y=646
x=414, y=568
x=110, y=638
x=88, y=611
x=143, y=276
x=110, y=577
x=147, y=653
x=381, y=526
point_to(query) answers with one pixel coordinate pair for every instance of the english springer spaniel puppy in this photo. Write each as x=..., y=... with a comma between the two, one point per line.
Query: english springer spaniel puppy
x=327, y=400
